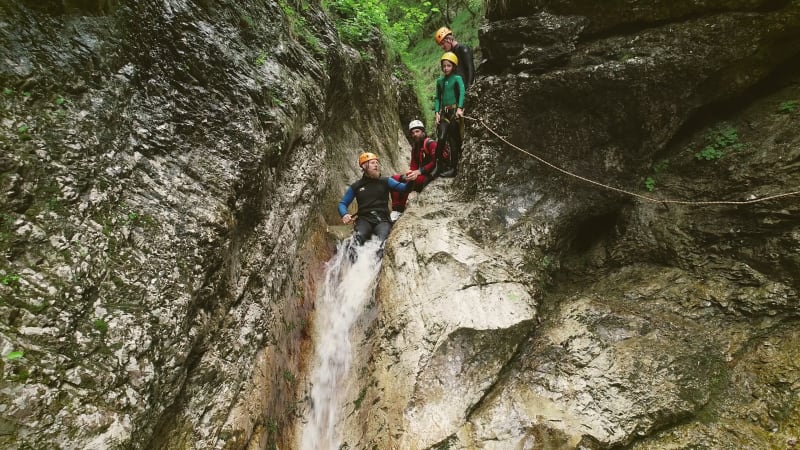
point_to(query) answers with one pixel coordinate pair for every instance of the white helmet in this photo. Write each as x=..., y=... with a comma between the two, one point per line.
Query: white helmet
x=415, y=124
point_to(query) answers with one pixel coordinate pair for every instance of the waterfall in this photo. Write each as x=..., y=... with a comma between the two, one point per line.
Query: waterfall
x=348, y=291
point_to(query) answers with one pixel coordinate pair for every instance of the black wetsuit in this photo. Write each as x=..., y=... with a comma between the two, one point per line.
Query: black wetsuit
x=466, y=67
x=372, y=195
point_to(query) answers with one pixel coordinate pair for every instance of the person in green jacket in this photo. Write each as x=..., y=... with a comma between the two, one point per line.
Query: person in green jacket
x=449, y=108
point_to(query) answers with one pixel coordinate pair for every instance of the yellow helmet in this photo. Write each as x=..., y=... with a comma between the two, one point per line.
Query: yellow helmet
x=366, y=156
x=449, y=56
x=442, y=33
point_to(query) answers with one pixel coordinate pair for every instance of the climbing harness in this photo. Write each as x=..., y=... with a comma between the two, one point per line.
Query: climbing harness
x=623, y=191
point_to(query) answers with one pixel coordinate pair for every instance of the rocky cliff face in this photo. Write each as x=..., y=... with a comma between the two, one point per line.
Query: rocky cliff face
x=165, y=167
x=168, y=168
x=521, y=307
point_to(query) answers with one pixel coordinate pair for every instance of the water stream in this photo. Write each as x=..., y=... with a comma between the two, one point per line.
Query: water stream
x=346, y=296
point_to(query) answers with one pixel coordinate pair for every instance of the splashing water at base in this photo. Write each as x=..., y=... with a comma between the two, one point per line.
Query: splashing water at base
x=348, y=289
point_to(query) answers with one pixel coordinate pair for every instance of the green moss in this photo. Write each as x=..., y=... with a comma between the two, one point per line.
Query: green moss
x=19, y=374
x=447, y=443
x=788, y=106
x=100, y=325
x=709, y=381
x=10, y=280
x=357, y=402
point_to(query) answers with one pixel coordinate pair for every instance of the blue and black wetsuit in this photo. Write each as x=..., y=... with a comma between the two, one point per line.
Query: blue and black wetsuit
x=372, y=195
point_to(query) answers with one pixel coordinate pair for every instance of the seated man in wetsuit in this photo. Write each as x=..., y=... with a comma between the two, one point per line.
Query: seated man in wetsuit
x=418, y=175
x=372, y=194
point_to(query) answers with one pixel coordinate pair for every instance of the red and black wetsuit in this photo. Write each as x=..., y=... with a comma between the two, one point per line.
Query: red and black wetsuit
x=423, y=158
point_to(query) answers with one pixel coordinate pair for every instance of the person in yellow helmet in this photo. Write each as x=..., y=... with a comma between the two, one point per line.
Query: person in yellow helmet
x=466, y=68
x=372, y=194
x=449, y=108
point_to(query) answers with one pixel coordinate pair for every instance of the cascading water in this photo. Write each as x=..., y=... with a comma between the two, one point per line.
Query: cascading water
x=349, y=289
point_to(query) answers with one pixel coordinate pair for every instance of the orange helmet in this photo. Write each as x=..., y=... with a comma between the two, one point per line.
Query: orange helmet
x=366, y=156
x=442, y=33
x=449, y=56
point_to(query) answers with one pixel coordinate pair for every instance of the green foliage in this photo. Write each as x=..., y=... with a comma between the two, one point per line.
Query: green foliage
x=659, y=167
x=288, y=375
x=5, y=226
x=122, y=215
x=365, y=55
x=20, y=375
x=52, y=204
x=407, y=21
x=247, y=20
x=17, y=354
x=23, y=131
x=100, y=325
x=272, y=434
x=8, y=91
x=625, y=55
x=407, y=27
x=274, y=96
x=18, y=372
x=721, y=138
x=261, y=59
x=10, y=279
x=398, y=21
x=650, y=184
x=298, y=26
x=788, y=106
x=358, y=20
x=725, y=136
x=709, y=153
x=357, y=402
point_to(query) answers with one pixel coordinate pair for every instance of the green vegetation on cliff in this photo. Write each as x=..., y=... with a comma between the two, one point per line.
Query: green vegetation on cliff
x=407, y=28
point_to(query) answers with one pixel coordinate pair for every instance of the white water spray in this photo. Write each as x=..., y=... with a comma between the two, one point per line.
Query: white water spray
x=347, y=292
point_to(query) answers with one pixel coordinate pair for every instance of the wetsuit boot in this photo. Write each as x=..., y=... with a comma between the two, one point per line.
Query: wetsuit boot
x=441, y=143
x=452, y=171
x=438, y=164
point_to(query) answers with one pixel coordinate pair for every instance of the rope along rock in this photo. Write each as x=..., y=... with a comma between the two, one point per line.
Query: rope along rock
x=623, y=191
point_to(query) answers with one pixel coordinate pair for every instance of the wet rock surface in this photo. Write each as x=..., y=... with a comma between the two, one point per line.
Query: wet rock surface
x=648, y=324
x=165, y=169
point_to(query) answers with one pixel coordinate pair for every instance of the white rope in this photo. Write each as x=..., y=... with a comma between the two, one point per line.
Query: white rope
x=634, y=194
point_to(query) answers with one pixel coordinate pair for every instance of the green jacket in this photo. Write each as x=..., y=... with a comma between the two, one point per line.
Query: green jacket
x=449, y=91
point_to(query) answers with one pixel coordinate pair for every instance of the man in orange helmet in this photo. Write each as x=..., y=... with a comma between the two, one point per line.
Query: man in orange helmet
x=372, y=194
x=466, y=68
